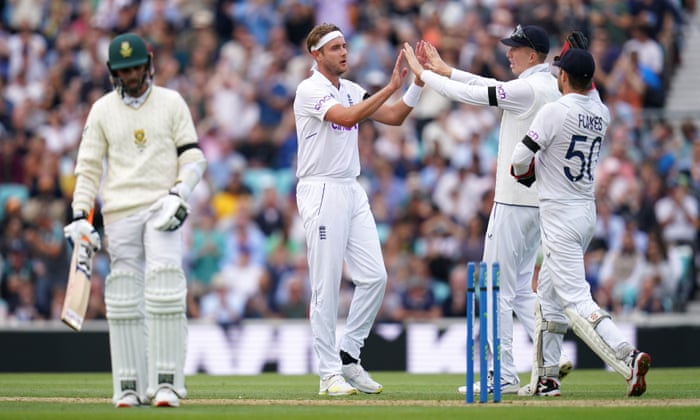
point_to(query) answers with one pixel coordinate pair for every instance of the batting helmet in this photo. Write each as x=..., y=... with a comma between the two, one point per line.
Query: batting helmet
x=127, y=50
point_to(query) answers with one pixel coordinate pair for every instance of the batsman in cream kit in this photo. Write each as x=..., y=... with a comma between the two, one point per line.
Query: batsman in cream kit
x=139, y=152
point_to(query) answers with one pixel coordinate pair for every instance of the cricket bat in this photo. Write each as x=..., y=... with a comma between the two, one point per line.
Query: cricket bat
x=78, y=289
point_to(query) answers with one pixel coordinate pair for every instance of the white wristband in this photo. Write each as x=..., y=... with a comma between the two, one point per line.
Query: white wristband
x=412, y=95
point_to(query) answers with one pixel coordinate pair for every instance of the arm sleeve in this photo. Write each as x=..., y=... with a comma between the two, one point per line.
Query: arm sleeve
x=89, y=163
x=516, y=96
x=522, y=159
x=190, y=159
x=538, y=137
x=466, y=77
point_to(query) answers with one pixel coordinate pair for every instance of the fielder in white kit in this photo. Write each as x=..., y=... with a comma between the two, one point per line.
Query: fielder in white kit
x=141, y=138
x=338, y=222
x=513, y=232
x=561, y=151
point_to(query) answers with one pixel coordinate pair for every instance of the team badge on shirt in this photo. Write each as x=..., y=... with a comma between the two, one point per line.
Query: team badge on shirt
x=140, y=138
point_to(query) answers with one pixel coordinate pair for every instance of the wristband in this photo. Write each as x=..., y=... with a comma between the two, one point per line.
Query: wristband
x=412, y=95
x=79, y=214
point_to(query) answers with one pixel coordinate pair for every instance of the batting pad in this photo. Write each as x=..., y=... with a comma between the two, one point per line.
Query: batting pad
x=585, y=329
x=166, y=292
x=127, y=333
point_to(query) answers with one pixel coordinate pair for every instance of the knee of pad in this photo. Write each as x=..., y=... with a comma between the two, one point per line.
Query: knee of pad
x=123, y=295
x=166, y=290
x=596, y=316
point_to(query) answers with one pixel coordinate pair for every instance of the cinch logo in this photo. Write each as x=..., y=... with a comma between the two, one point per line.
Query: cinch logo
x=501, y=92
x=343, y=128
x=322, y=101
x=322, y=232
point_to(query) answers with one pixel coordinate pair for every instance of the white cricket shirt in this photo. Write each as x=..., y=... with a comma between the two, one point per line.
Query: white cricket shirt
x=325, y=149
x=570, y=133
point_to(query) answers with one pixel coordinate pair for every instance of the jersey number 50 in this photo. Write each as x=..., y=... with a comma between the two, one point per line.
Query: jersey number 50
x=587, y=161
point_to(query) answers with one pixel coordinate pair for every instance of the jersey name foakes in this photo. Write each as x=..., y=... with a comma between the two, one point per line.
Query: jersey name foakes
x=590, y=122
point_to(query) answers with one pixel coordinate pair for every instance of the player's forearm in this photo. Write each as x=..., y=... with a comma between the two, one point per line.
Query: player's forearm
x=455, y=90
x=521, y=160
x=348, y=117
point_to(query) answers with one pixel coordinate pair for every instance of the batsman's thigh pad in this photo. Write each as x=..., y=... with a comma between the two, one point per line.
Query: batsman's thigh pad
x=585, y=329
x=166, y=293
x=127, y=333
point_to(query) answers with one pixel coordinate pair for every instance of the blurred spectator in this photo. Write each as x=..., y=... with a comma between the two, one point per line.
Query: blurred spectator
x=677, y=214
x=621, y=275
x=18, y=276
x=222, y=305
x=269, y=212
x=455, y=305
x=659, y=283
x=243, y=276
x=206, y=251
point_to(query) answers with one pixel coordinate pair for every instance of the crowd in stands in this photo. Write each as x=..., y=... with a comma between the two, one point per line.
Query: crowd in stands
x=430, y=181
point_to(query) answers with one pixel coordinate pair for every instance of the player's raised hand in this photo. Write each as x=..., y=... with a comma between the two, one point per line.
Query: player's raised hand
x=398, y=74
x=433, y=60
x=412, y=60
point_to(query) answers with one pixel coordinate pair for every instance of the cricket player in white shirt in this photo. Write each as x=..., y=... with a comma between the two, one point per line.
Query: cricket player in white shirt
x=338, y=222
x=139, y=152
x=561, y=151
x=513, y=232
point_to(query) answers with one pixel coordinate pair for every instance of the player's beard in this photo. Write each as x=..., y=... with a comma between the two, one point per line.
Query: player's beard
x=134, y=87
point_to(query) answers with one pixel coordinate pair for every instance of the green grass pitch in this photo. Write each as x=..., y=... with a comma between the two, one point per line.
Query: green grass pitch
x=586, y=394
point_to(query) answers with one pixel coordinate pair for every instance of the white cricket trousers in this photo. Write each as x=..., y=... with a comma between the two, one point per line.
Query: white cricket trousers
x=340, y=227
x=512, y=240
x=567, y=230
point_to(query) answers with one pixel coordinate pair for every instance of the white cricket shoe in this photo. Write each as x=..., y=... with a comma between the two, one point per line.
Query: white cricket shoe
x=336, y=386
x=166, y=397
x=506, y=388
x=639, y=363
x=127, y=400
x=358, y=377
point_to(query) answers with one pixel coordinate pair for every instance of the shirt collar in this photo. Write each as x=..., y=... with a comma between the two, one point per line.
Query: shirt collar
x=534, y=69
x=137, y=102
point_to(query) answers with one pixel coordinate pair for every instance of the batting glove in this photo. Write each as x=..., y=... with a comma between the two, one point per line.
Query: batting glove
x=173, y=210
x=81, y=229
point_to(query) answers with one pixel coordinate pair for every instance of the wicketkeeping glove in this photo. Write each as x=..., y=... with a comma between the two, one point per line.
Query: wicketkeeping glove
x=81, y=228
x=172, y=210
x=577, y=39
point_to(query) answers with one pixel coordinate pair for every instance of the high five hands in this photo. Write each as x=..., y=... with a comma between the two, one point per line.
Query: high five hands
x=425, y=57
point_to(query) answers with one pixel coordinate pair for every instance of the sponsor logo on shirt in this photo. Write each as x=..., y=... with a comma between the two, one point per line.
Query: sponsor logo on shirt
x=322, y=101
x=322, y=232
x=343, y=128
x=500, y=92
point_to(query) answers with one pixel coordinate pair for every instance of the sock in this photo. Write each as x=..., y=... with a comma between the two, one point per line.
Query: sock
x=346, y=358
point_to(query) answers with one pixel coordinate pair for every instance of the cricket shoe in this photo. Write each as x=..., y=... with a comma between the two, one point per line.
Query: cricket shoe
x=506, y=388
x=127, y=400
x=639, y=362
x=547, y=387
x=336, y=386
x=565, y=367
x=358, y=377
x=166, y=397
